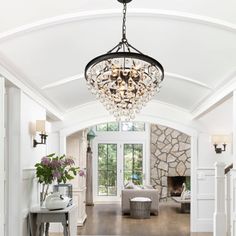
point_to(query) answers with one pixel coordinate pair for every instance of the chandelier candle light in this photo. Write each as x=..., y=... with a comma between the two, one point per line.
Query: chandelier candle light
x=124, y=79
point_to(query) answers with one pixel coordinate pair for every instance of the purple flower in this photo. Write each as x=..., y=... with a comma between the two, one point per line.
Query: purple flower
x=81, y=173
x=69, y=162
x=56, y=174
x=45, y=161
x=55, y=164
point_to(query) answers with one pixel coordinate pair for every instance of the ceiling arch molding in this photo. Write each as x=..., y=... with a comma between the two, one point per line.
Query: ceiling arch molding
x=88, y=15
x=170, y=75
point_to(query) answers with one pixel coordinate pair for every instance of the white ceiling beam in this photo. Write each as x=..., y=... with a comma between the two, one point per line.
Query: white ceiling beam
x=170, y=75
x=143, y=12
x=63, y=81
x=217, y=97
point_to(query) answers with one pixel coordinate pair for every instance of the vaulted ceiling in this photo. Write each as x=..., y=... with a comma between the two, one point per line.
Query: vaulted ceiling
x=47, y=44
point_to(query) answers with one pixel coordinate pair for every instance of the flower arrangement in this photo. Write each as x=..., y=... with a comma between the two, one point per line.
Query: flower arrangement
x=55, y=168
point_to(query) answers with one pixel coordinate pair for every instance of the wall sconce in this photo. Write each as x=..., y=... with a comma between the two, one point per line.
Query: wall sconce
x=220, y=140
x=41, y=128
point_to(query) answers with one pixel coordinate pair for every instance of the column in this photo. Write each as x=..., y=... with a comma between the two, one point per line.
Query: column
x=89, y=177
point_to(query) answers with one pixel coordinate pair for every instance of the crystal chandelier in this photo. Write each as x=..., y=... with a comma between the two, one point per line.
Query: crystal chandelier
x=124, y=79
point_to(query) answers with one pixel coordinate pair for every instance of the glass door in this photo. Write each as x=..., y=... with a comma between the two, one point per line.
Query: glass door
x=107, y=169
x=133, y=163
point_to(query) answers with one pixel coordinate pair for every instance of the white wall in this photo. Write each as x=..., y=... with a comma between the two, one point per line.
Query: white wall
x=2, y=136
x=217, y=121
x=23, y=112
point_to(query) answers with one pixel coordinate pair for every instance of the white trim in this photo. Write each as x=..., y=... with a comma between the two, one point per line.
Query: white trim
x=218, y=96
x=169, y=74
x=108, y=13
x=53, y=111
x=2, y=156
x=156, y=102
x=187, y=79
x=120, y=138
x=63, y=81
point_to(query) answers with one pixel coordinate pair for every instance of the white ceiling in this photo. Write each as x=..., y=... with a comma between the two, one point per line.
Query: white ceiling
x=48, y=43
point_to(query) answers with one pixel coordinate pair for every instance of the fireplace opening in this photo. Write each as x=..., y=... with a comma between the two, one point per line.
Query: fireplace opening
x=175, y=185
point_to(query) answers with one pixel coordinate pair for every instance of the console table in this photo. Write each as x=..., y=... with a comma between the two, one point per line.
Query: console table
x=40, y=219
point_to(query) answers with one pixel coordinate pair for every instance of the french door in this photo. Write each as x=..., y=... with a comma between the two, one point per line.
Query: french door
x=115, y=164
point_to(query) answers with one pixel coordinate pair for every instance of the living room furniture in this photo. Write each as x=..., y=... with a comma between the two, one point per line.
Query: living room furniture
x=140, y=207
x=184, y=204
x=41, y=217
x=128, y=194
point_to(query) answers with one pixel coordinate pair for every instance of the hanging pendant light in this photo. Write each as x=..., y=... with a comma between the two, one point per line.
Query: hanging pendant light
x=124, y=79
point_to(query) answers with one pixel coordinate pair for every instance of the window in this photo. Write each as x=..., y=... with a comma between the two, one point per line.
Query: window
x=125, y=126
x=133, y=126
x=107, y=169
x=133, y=163
x=111, y=126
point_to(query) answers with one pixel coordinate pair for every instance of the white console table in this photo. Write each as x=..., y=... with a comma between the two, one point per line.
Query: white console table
x=40, y=219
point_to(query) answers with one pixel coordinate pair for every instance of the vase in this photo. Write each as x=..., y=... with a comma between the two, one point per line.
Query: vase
x=43, y=195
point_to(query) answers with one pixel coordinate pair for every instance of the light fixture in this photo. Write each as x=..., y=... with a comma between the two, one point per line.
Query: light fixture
x=90, y=136
x=124, y=79
x=220, y=140
x=41, y=128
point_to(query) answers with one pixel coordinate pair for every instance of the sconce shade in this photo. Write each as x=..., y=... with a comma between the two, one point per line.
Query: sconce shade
x=221, y=139
x=41, y=126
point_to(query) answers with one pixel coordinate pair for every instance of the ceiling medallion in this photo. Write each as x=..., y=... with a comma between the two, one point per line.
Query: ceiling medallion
x=124, y=79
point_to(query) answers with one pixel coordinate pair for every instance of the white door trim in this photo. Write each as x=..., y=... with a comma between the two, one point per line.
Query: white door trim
x=2, y=156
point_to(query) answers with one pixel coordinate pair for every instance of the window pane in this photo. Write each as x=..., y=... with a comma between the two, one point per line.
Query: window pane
x=133, y=163
x=133, y=126
x=107, y=169
x=113, y=126
x=139, y=126
x=101, y=127
x=102, y=156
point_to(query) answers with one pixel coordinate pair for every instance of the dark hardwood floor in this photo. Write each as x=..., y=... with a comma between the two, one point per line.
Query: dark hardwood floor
x=108, y=220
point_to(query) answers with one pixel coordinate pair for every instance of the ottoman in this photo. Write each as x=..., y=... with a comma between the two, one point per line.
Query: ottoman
x=140, y=207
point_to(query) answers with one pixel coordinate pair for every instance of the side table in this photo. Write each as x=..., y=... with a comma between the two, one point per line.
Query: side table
x=140, y=207
x=41, y=217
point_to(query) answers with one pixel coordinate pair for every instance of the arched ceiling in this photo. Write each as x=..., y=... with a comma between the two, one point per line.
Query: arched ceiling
x=47, y=44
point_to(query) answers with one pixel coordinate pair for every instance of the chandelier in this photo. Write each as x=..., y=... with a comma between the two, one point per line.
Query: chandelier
x=124, y=79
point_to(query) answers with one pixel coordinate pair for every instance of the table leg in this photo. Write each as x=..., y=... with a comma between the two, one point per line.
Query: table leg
x=47, y=229
x=42, y=229
x=65, y=229
x=38, y=229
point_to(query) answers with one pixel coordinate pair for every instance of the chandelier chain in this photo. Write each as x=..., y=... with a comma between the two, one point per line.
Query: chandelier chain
x=124, y=23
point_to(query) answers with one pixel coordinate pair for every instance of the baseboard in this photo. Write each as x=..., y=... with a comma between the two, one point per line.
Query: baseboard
x=204, y=225
x=80, y=222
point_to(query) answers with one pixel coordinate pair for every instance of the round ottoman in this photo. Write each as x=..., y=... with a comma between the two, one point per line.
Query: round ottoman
x=140, y=207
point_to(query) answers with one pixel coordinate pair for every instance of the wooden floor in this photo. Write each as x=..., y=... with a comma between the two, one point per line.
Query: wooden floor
x=108, y=220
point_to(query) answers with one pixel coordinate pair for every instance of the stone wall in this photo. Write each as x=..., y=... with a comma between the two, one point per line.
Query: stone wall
x=170, y=156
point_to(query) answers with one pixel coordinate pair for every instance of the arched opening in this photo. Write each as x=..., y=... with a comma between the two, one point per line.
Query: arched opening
x=157, y=153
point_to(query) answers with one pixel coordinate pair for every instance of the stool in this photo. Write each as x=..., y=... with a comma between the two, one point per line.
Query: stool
x=140, y=207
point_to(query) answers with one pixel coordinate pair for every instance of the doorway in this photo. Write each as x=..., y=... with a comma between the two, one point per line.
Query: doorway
x=119, y=157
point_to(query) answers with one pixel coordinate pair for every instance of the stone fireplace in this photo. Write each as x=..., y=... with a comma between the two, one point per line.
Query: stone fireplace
x=170, y=159
x=175, y=185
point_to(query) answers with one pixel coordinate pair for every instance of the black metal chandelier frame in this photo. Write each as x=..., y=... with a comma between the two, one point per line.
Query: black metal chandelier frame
x=126, y=49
